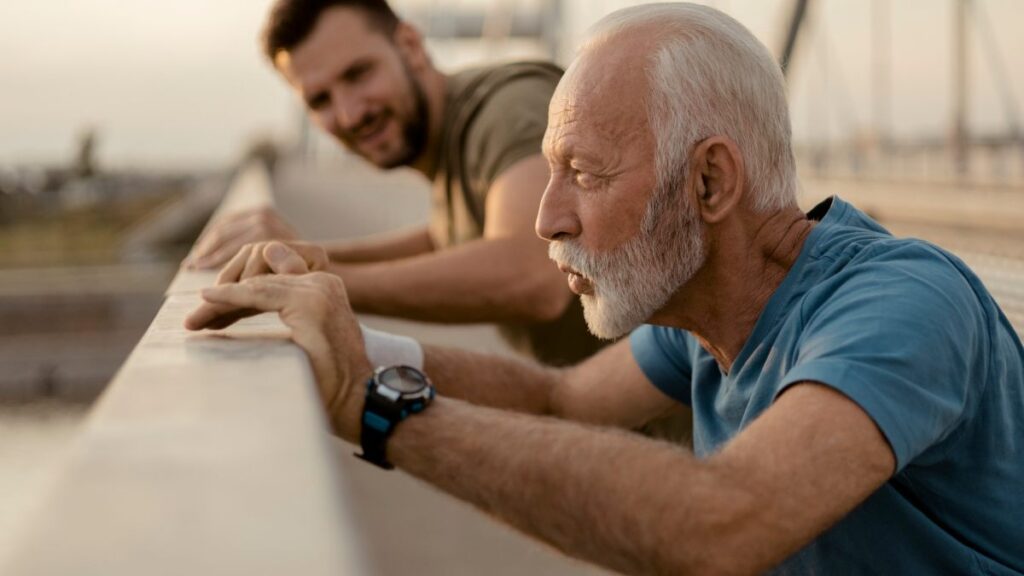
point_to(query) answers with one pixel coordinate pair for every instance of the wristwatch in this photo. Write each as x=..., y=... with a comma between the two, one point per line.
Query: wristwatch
x=393, y=394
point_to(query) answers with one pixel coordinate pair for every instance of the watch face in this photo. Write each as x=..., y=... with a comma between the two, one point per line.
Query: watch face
x=403, y=379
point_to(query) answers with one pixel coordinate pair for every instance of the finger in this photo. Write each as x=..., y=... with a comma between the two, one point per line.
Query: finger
x=266, y=293
x=213, y=228
x=228, y=249
x=219, y=235
x=283, y=259
x=211, y=316
x=255, y=265
x=227, y=303
x=314, y=255
x=232, y=272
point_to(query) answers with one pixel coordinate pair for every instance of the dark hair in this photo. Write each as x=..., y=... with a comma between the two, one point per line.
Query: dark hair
x=291, y=21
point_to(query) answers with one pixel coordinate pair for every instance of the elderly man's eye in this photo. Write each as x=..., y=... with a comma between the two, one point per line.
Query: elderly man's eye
x=584, y=179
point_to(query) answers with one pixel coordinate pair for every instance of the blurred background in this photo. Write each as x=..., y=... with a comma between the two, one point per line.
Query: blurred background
x=121, y=123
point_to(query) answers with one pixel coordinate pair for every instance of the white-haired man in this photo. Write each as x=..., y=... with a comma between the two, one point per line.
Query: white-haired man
x=857, y=399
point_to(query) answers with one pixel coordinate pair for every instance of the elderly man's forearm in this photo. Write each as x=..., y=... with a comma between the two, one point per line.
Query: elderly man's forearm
x=659, y=514
x=509, y=383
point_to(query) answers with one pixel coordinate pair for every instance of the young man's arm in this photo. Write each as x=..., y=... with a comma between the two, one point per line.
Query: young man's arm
x=388, y=246
x=633, y=504
x=232, y=234
x=505, y=276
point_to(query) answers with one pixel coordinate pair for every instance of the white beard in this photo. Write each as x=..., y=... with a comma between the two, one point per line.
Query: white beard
x=635, y=280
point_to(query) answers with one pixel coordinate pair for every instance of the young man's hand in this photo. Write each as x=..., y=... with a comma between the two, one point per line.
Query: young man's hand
x=227, y=235
x=316, y=309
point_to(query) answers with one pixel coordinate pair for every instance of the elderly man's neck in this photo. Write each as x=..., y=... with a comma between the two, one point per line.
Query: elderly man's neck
x=748, y=258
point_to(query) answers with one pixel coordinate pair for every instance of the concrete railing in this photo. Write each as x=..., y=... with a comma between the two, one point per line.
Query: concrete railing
x=207, y=454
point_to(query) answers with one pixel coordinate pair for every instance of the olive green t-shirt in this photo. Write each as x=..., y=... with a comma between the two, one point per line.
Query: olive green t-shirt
x=494, y=117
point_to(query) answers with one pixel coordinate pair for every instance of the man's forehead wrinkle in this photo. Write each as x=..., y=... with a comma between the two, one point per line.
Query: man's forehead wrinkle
x=555, y=144
x=564, y=115
x=587, y=128
x=596, y=109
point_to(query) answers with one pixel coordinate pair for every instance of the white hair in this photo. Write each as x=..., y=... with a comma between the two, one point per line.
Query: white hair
x=710, y=76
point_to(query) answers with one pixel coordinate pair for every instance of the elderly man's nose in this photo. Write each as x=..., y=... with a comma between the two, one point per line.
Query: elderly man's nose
x=557, y=215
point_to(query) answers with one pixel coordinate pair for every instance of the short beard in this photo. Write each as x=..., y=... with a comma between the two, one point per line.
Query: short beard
x=635, y=280
x=414, y=128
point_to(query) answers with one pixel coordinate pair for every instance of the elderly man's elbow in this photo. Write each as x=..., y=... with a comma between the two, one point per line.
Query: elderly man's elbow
x=726, y=531
x=714, y=552
x=707, y=557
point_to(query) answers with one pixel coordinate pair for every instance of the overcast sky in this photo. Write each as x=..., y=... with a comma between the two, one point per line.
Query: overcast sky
x=176, y=83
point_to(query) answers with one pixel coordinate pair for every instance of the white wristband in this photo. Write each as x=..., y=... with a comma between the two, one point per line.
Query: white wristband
x=386, y=349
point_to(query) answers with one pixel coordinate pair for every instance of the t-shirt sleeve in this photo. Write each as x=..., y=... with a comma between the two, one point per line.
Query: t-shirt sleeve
x=508, y=128
x=664, y=356
x=904, y=339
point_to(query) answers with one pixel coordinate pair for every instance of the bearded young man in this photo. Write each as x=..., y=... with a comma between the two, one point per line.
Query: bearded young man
x=858, y=399
x=367, y=80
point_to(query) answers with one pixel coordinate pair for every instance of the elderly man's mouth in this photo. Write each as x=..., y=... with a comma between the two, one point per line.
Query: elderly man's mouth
x=578, y=283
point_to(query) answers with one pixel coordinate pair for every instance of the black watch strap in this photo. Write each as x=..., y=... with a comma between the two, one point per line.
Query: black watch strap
x=378, y=423
x=393, y=393
x=374, y=452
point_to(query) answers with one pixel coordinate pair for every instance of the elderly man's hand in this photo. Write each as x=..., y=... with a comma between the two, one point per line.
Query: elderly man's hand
x=274, y=257
x=226, y=236
x=316, y=309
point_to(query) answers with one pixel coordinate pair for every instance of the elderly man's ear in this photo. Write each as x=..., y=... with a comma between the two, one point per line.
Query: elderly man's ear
x=717, y=178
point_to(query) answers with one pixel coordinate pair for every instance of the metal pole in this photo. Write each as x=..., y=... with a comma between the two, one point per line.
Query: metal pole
x=795, y=23
x=960, y=92
x=881, y=45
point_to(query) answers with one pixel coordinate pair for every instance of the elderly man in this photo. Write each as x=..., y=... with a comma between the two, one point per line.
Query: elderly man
x=857, y=399
x=367, y=80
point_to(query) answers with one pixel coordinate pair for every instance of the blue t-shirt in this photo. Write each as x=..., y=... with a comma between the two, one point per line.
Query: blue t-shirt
x=909, y=333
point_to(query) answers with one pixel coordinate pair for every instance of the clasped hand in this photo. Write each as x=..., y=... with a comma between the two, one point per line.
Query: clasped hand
x=313, y=305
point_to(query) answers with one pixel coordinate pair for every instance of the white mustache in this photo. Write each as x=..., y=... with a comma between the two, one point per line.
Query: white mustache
x=572, y=255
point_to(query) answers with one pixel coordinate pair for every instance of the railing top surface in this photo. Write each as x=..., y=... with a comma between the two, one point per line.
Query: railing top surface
x=207, y=454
